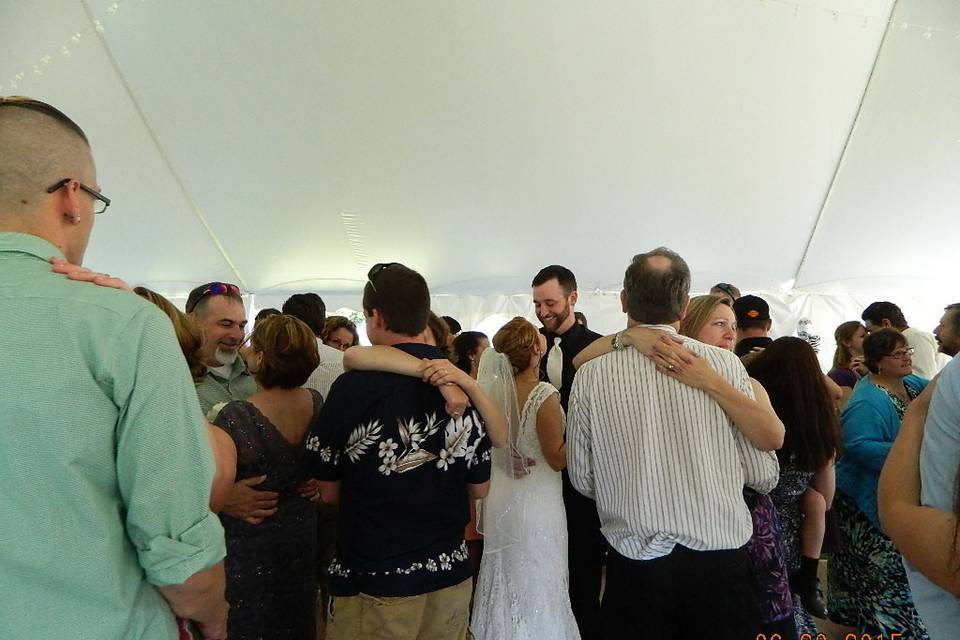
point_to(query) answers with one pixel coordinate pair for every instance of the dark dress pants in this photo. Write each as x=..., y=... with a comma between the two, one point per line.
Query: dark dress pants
x=686, y=595
x=586, y=550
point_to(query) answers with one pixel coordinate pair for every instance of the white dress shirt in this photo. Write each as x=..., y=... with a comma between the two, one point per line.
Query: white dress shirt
x=331, y=366
x=663, y=461
x=925, y=347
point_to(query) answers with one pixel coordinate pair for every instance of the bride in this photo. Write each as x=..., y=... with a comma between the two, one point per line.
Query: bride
x=522, y=590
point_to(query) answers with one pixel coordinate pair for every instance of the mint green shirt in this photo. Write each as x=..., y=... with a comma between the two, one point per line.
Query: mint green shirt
x=213, y=389
x=105, y=467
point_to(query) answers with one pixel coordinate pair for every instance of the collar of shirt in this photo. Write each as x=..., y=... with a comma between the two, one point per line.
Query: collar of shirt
x=572, y=332
x=28, y=244
x=659, y=327
x=239, y=368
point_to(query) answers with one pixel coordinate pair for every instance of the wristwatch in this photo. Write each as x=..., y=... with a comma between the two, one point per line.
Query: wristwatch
x=617, y=341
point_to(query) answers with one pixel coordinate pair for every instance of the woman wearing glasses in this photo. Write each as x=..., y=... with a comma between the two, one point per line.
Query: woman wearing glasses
x=868, y=587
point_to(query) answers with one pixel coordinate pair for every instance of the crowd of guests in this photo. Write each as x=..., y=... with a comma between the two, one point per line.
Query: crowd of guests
x=680, y=478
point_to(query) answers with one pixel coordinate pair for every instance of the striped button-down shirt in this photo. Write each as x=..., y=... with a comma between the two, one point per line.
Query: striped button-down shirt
x=663, y=461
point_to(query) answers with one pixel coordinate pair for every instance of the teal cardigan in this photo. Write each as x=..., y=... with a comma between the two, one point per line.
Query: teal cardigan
x=870, y=425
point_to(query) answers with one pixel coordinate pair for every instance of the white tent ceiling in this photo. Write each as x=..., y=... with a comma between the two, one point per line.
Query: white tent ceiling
x=288, y=145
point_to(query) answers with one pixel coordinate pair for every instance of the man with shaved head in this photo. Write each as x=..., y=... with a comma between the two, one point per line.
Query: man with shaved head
x=104, y=525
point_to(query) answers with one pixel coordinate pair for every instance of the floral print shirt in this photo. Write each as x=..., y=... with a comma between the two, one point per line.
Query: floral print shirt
x=403, y=465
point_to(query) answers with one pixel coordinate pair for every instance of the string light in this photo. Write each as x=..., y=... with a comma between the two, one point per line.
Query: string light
x=66, y=49
x=927, y=31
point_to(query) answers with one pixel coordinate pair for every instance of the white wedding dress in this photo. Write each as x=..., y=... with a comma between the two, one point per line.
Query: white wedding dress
x=522, y=590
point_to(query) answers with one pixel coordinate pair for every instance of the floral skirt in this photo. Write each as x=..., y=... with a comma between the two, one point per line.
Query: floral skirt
x=868, y=587
x=765, y=549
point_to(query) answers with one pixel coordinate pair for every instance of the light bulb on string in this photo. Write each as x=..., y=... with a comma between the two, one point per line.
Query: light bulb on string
x=113, y=9
x=928, y=33
x=904, y=26
x=37, y=71
x=64, y=51
x=98, y=26
x=45, y=59
x=76, y=37
x=836, y=16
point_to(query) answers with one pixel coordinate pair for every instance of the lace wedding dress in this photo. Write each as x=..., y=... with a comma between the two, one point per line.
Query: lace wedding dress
x=522, y=590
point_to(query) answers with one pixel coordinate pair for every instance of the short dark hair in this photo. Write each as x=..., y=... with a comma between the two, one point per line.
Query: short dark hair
x=877, y=312
x=879, y=344
x=266, y=313
x=198, y=298
x=309, y=308
x=564, y=277
x=656, y=296
x=289, y=352
x=401, y=295
x=955, y=324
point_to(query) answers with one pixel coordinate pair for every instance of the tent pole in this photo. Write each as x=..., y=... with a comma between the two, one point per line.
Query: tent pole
x=166, y=159
x=843, y=152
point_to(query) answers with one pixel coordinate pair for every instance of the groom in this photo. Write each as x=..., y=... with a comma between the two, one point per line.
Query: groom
x=554, y=298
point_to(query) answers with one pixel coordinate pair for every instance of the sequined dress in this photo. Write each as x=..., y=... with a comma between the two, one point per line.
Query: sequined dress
x=271, y=567
x=522, y=590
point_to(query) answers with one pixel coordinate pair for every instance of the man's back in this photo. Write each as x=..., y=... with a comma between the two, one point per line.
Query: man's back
x=103, y=459
x=404, y=466
x=665, y=463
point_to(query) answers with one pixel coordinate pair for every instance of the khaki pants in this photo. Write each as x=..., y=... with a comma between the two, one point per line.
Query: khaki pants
x=438, y=615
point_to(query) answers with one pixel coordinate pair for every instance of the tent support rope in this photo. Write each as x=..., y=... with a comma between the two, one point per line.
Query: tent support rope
x=163, y=154
x=846, y=145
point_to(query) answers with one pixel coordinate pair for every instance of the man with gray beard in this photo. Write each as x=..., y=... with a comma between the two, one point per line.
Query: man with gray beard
x=218, y=310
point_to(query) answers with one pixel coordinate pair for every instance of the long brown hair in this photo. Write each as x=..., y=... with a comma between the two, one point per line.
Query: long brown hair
x=188, y=333
x=441, y=334
x=699, y=313
x=846, y=331
x=789, y=371
x=516, y=340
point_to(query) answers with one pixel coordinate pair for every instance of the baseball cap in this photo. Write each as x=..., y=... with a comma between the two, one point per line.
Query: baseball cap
x=751, y=309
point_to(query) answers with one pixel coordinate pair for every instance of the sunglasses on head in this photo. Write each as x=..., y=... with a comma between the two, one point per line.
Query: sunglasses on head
x=726, y=288
x=376, y=269
x=216, y=289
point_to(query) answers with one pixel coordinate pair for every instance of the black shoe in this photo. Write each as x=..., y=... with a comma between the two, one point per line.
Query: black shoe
x=811, y=597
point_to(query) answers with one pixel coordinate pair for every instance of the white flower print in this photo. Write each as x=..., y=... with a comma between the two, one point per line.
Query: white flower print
x=389, y=465
x=313, y=444
x=387, y=448
x=443, y=462
x=431, y=565
x=445, y=562
x=326, y=454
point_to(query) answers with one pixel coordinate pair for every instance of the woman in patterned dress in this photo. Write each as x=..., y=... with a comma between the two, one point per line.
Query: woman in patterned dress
x=868, y=587
x=789, y=371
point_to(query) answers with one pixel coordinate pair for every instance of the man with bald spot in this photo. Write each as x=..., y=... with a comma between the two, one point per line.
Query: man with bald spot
x=105, y=525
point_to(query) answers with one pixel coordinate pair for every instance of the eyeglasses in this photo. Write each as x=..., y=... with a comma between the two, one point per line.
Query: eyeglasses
x=900, y=354
x=103, y=200
x=375, y=271
x=215, y=289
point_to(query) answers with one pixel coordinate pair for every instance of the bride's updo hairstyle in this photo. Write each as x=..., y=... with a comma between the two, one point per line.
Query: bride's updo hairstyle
x=516, y=340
